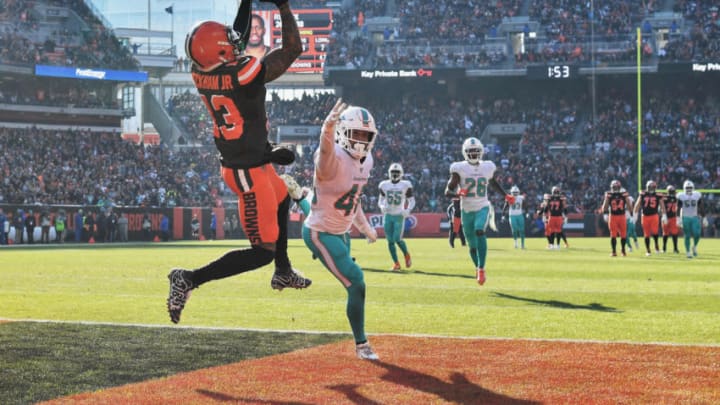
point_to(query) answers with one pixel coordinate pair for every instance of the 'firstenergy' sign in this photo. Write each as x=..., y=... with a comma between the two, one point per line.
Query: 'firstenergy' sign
x=91, y=74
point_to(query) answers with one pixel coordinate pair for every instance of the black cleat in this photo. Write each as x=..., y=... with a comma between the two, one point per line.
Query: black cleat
x=180, y=288
x=292, y=279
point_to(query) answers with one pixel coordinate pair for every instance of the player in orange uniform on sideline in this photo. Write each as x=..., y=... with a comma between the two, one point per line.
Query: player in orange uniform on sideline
x=618, y=202
x=651, y=204
x=670, y=219
x=556, y=209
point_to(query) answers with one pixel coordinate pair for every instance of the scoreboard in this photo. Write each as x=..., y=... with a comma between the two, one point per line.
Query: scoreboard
x=315, y=26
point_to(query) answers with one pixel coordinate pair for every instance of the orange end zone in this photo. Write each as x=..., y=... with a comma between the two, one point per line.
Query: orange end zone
x=433, y=370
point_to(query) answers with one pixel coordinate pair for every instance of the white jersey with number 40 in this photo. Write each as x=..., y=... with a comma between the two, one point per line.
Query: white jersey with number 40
x=336, y=197
x=395, y=195
x=476, y=180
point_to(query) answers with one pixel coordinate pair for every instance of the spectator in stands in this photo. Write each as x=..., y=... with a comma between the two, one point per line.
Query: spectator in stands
x=79, y=224
x=4, y=229
x=111, y=227
x=45, y=223
x=123, y=228
x=164, y=228
x=29, y=223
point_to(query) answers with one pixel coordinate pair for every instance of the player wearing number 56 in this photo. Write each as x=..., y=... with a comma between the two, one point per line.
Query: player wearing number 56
x=470, y=180
x=343, y=163
x=232, y=86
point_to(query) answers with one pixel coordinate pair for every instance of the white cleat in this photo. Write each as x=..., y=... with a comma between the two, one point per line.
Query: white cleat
x=365, y=352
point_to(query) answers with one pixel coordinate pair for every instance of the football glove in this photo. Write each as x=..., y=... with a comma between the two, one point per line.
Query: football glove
x=664, y=219
x=278, y=3
x=281, y=156
x=462, y=192
x=565, y=220
x=705, y=222
x=606, y=217
x=510, y=199
x=406, y=213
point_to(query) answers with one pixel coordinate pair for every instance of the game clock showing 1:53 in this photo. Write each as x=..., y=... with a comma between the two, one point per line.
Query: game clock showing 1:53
x=552, y=72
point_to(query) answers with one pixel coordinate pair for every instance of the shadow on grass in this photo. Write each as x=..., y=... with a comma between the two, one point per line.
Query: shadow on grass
x=593, y=306
x=419, y=272
x=459, y=391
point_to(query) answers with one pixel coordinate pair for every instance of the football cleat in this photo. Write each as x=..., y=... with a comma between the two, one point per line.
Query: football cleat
x=292, y=279
x=481, y=275
x=365, y=352
x=396, y=267
x=694, y=250
x=180, y=288
x=293, y=187
x=408, y=261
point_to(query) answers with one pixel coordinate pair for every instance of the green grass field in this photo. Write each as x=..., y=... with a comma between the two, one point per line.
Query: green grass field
x=118, y=294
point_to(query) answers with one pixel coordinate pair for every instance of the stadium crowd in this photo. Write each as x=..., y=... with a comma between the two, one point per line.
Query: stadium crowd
x=85, y=168
x=28, y=37
x=563, y=144
x=423, y=135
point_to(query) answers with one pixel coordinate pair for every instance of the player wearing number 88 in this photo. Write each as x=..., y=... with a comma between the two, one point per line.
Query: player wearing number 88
x=470, y=180
x=342, y=168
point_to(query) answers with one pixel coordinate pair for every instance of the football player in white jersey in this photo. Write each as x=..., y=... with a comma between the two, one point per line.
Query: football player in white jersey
x=516, y=212
x=396, y=201
x=470, y=180
x=692, y=212
x=343, y=163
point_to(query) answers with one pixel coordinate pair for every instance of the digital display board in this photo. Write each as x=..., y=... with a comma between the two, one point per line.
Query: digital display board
x=314, y=25
x=552, y=72
x=687, y=67
x=423, y=74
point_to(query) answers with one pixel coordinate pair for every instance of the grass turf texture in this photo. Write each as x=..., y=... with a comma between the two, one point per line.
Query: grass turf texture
x=579, y=293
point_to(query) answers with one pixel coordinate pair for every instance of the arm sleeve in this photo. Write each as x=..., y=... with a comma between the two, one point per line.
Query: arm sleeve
x=411, y=203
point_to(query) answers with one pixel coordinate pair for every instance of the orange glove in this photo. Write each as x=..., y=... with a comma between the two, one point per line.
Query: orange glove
x=462, y=192
x=510, y=199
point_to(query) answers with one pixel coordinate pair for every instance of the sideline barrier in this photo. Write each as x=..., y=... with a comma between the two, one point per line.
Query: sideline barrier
x=418, y=225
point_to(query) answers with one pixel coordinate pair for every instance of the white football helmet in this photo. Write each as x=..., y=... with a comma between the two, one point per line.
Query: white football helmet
x=514, y=190
x=688, y=186
x=355, y=119
x=615, y=186
x=472, y=150
x=395, y=172
x=555, y=190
